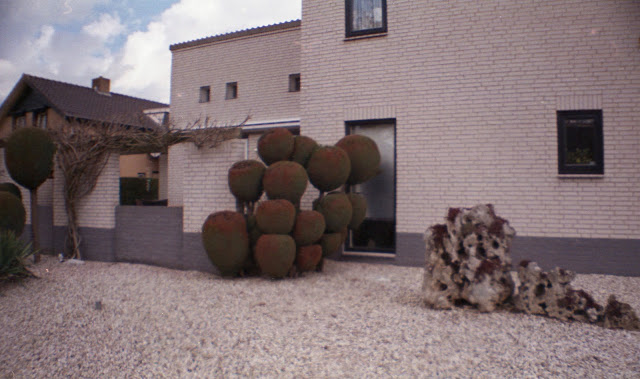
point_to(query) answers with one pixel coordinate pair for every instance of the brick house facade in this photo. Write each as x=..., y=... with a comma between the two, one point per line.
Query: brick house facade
x=474, y=102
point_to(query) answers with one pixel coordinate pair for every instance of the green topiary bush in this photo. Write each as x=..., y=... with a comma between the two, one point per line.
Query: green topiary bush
x=275, y=254
x=308, y=228
x=308, y=257
x=364, y=156
x=336, y=209
x=331, y=243
x=225, y=238
x=134, y=189
x=359, y=205
x=276, y=216
x=328, y=168
x=275, y=145
x=11, y=188
x=12, y=213
x=285, y=180
x=303, y=147
x=29, y=156
x=245, y=180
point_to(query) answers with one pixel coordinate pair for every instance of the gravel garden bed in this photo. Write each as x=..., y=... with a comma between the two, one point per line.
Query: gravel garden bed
x=352, y=320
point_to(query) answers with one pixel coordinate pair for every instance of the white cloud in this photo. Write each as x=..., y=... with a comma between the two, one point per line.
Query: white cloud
x=105, y=27
x=67, y=48
x=146, y=58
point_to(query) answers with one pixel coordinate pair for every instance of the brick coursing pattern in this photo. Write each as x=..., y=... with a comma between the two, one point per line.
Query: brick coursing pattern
x=474, y=88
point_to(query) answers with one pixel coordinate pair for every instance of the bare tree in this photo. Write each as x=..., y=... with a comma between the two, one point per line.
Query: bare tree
x=84, y=148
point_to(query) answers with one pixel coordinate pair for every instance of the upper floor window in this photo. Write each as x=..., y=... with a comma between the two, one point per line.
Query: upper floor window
x=40, y=119
x=294, y=83
x=205, y=94
x=365, y=17
x=232, y=91
x=580, y=142
x=19, y=121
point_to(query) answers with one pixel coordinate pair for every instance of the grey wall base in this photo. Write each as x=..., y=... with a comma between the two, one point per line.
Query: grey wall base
x=153, y=235
x=582, y=255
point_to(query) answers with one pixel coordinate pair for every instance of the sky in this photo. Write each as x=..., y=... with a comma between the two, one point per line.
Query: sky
x=126, y=41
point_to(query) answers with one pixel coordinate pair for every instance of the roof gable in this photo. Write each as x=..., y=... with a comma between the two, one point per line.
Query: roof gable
x=75, y=101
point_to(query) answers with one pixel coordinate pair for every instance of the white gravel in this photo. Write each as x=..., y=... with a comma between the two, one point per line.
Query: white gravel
x=353, y=320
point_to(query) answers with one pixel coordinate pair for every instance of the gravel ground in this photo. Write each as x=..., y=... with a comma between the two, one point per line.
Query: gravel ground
x=353, y=320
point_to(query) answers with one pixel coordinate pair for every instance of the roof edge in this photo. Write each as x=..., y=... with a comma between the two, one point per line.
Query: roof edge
x=237, y=34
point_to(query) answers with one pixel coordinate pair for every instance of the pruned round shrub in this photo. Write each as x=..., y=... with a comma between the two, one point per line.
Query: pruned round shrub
x=276, y=216
x=331, y=243
x=285, y=180
x=11, y=188
x=303, y=147
x=337, y=211
x=308, y=257
x=245, y=180
x=328, y=168
x=29, y=156
x=253, y=230
x=359, y=205
x=12, y=213
x=308, y=228
x=275, y=254
x=275, y=145
x=364, y=156
x=226, y=241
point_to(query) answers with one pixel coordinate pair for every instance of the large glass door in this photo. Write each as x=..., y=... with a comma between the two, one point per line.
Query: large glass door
x=378, y=231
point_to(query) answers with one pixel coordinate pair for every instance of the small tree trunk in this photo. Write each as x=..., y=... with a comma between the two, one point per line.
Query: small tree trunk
x=34, y=224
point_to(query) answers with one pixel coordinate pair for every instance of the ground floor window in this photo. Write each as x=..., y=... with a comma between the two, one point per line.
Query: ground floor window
x=580, y=142
x=378, y=231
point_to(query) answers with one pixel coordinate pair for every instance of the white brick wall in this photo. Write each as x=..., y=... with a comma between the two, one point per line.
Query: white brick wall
x=98, y=209
x=260, y=64
x=205, y=187
x=474, y=87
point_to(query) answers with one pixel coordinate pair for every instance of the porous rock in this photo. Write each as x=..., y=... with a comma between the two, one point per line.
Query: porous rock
x=468, y=260
x=550, y=294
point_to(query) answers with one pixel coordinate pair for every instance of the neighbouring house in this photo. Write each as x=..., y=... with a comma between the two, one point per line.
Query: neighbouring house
x=46, y=103
x=531, y=106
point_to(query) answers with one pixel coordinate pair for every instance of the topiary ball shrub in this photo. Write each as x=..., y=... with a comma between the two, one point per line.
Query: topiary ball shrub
x=225, y=238
x=29, y=156
x=245, y=180
x=276, y=216
x=253, y=230
x=11, y=188
x=359, y=205
x=285, y=180
x=308, y=257
x=308, y=228
x=337, y=211
x=275, y=254
x=328, y=168
x=331, y=243
x=275, y=145
x=12, y=213
x=364, y=156
x=303, y=147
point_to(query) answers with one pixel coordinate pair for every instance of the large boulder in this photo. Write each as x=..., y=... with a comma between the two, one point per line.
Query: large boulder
x=468, y=260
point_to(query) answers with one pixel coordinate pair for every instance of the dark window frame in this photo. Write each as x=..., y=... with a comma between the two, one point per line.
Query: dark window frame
x=347, y=248
x=204, y=94
x=349, y=29
x=597, y=143
x=231, y=91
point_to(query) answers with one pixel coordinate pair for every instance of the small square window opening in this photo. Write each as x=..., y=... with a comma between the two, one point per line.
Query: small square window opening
x=205, y=94
x=294, y=83
x=232, y=91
